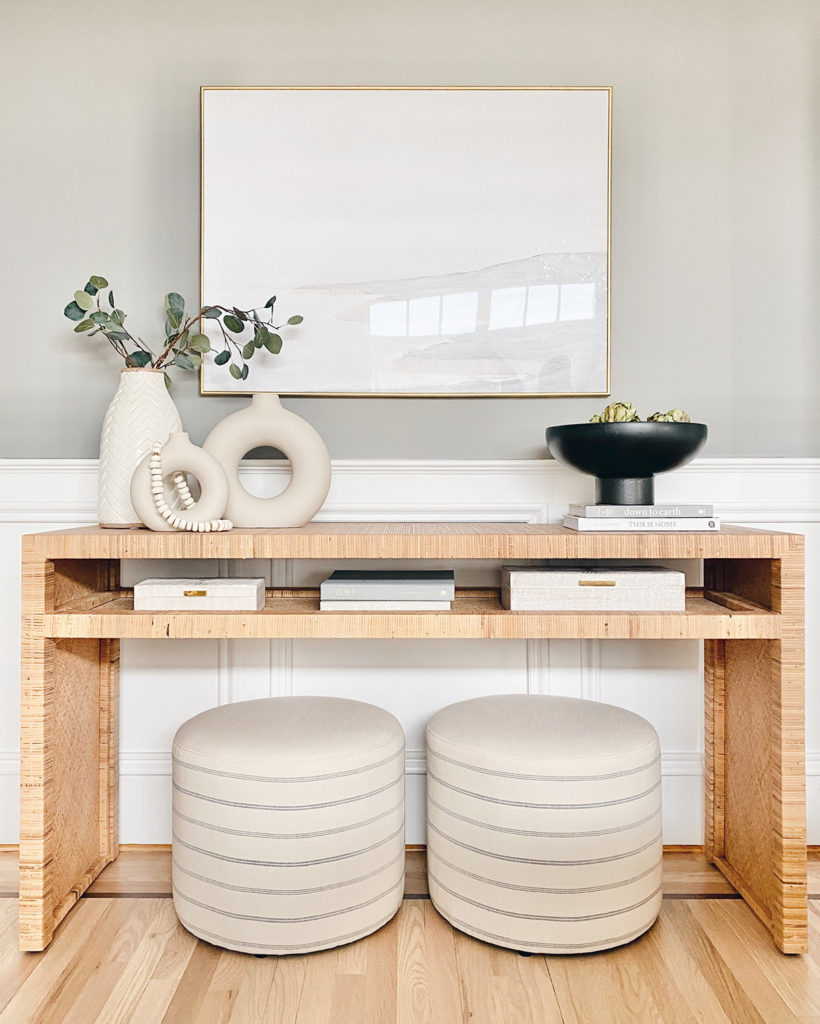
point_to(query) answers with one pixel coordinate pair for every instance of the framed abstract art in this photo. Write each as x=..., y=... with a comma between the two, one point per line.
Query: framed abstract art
x=437, y=242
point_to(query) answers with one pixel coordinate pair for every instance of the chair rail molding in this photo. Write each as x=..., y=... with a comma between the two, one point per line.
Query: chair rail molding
x=44, y=494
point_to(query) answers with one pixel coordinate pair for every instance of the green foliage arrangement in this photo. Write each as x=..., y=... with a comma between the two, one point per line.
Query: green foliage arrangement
x=96, y=312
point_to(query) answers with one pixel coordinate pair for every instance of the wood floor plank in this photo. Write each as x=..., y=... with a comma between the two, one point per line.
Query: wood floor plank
x=795, y=978
x=90, y=979
x=380, y=995
x=193, y=986
x=442, y=967
x=283, y=1001
x=627, y=985
x=714, y=919
x=30, y=977
x=499, y=986
x=414, y=1001
x=159, y=991
x=316, y=1002
x=711, y=991
x=121, y=1004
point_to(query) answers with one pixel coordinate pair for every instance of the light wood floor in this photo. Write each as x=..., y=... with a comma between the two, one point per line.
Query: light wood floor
x=121, y=956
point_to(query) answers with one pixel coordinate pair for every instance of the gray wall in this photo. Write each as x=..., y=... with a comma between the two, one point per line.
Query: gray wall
x=715, y=227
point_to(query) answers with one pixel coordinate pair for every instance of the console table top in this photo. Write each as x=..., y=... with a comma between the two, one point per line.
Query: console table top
x=410, y=540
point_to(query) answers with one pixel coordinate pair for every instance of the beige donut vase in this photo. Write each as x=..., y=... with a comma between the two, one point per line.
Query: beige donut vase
x=180, y=456
x=265, y=422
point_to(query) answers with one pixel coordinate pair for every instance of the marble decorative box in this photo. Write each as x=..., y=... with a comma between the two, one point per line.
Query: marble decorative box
x=630, y=588
x=173, y=595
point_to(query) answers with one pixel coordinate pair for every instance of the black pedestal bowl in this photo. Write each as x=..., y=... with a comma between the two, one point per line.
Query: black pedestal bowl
x=624, y=457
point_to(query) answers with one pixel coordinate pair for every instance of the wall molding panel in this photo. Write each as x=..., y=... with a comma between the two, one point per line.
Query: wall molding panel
x=663, y=685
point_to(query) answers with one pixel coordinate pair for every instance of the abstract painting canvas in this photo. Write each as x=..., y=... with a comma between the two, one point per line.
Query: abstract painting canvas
x=437, y=242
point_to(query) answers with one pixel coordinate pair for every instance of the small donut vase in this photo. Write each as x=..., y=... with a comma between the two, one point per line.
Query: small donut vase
x=179, y=455
x=265, y=423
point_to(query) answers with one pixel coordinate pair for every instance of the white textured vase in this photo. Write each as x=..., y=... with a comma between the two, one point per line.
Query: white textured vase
x=141, y=413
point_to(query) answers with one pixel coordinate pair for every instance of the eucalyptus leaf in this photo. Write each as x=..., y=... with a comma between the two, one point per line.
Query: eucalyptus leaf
x=270, y=303
x=211, y=312
x=170, y=327
x=294, y=320
x=167, y=381
x=175, y=306
x=90, y=289
x=245, y=372
x=172, y=319
x=117, y=335
x=223, y=357
x=111, y=301
x=139, y=358
x=99, y=317
x=73, y=311
x=273, y=343
x=184, y=361
x=195, y=359
x=248, y=350
x=85, y=325
x=200, y=343
x=98, y=282
x=236, y=373
x=233, y=323
x=258, y=337
x=84, y=301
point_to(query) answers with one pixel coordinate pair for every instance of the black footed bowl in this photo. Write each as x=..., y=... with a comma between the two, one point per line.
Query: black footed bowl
x=624, y=457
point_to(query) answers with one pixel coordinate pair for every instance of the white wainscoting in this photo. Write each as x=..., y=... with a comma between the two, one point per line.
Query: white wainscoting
x=165, y=683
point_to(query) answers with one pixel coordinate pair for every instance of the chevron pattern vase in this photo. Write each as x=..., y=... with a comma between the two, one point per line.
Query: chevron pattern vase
x=141, y=413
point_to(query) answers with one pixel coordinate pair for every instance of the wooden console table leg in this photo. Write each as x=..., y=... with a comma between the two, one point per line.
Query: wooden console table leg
x=69, y=763
x=755, y=785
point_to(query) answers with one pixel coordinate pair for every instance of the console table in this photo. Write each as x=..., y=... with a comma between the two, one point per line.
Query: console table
x=749, y=614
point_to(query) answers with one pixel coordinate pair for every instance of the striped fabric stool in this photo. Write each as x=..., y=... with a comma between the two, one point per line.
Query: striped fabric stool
x=288, y=823
x=544, y=822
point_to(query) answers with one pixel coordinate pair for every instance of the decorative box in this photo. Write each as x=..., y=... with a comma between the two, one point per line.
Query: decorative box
x=627, y=589
x=227, y=595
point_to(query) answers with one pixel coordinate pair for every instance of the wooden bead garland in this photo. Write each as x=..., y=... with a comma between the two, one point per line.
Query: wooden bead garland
x=171, y=517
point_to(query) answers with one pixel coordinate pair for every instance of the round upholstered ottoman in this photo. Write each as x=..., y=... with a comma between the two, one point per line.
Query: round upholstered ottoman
x=288, y=823
x=544, y=822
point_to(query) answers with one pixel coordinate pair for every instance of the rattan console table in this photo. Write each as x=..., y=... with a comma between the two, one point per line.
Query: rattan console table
x=749, y=614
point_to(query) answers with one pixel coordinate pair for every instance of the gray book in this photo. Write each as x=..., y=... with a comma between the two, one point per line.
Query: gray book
x=384, y=606
x=670, y=511
x=389, y=585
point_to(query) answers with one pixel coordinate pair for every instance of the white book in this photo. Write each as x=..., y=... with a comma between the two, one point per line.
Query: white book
x=679, y=525
x=384, y=606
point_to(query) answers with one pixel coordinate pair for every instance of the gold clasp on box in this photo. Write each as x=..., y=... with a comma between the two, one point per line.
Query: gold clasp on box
x=195, y=593
x=596, y=583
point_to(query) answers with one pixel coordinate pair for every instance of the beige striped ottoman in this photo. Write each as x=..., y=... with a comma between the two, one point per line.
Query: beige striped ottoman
x=544, y=822
x=288, y=823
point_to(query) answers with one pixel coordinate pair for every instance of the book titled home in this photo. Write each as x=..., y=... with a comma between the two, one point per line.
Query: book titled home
x=680, y=524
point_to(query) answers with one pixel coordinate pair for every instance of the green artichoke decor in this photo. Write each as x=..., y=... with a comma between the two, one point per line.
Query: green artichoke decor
x=625, y=412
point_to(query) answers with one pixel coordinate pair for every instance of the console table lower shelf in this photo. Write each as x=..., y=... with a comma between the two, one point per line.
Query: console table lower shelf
x=749, y=615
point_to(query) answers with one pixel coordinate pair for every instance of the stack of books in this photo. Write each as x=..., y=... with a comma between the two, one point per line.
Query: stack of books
x=637, y=518
x=388, y=590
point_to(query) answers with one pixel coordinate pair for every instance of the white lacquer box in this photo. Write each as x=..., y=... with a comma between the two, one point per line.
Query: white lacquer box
x=167, y=595
x=629, y=588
